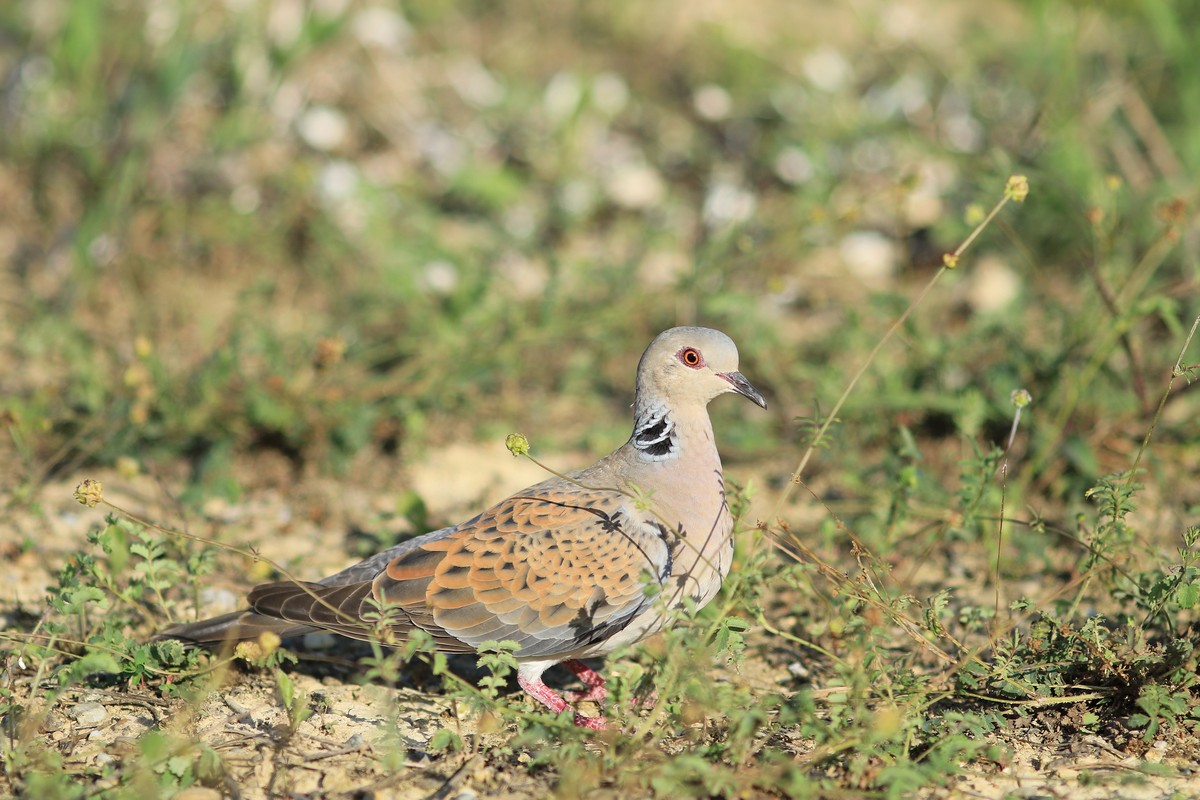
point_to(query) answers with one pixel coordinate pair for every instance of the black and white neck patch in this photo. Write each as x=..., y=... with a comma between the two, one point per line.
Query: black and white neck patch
x=654, y=434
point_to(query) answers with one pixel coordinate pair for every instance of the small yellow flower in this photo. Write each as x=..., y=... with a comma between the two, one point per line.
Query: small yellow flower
x=248, y=651
x=89, y=493
x=259, y=570
x=139, y=414
x=136, y=375
x=142, y=347
x=269, y=642
x=950, y=260
x=255, y=650
x=1017, y=188
x=517, y=444
x=1021, y=397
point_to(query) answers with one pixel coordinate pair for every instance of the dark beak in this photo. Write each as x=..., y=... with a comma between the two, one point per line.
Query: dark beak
x=744, y=387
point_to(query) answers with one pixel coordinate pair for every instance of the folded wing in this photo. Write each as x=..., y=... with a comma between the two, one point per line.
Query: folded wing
x=552, y=571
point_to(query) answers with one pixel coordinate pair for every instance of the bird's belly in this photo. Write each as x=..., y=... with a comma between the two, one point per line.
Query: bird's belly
x=645, y=624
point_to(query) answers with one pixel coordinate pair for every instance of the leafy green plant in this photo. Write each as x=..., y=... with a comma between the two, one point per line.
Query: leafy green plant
x=294, y=701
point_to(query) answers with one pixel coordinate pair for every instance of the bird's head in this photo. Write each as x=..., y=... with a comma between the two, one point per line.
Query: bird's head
x=692, y=365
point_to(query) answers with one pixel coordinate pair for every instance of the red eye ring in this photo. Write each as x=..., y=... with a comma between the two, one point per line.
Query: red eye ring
x=690, y=357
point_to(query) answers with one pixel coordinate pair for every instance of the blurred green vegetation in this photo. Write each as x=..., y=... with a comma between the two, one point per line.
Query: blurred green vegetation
x=340, y=230
x=484, y=221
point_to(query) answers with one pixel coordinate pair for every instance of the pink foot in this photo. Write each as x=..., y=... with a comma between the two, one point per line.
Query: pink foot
x=539, y=691
x=597, y=688
x=591, y=723
x=648, y=701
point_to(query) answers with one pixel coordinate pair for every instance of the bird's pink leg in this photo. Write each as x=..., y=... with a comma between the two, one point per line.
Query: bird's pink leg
x=539, y=691
x=597, y=688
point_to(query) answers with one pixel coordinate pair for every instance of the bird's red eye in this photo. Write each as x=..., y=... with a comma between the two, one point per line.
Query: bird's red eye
x=691, y=357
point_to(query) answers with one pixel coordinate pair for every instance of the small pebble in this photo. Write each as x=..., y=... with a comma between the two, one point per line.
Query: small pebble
x=798, y=670
x=215, y=600
x=87, y=715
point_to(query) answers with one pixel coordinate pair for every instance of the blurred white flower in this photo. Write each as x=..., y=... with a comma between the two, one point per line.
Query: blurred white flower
x=908, y=96
x=712, y=102
x=475, y=84
x=635, y=185
x=520, y=220
x=523, y=277
x=329, y=9
x=285, y=21
x=385, y=28
x=827, y=69
x=992, y=285
x=103, y=250
x=337, y=181
x=287, y=102
x=562, y=96
x=444, y=151
x=322, y=127
x=793, y=166
x=963, y=133
x=245, y=198
x=610, y=93
x=576, y=197
x=162, y=20
x=727, y=204
x=439, y=277
x=958, y=125
x=869, y=255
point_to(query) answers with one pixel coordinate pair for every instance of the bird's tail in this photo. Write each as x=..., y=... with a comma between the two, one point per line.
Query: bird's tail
x=233, y=627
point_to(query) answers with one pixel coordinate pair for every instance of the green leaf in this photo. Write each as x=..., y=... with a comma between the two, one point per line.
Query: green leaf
x=209, y=767
x=287, y=689
x=446, y=739
x=96, y=662
x=179, y=766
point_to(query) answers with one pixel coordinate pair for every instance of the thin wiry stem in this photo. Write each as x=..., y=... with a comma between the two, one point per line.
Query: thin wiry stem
x=1012, y=192
x=1178, y=372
